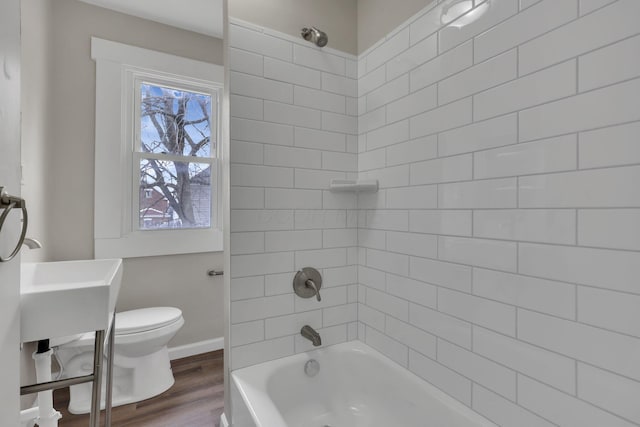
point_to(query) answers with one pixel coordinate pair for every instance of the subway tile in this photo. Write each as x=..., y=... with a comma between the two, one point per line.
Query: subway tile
x=609, y=228
x=258, y=131
x=441, y=222
x=602, y=107
x=319, y=100
x=608, y=269
x=371, y=120
x=319, y=60
x=371, y=278
x=550, y=368
x=291, y=324
x=610, y=310
x=280, y=241
x=547, y=85
x=291, y=115
x=247, y=198
x=588, y=6
x=530, y=23
x=263, y=351
x=372, y=80
x=260, y=308
x=425, y=25
x=388, y=50
x=338, y=276
x=418, y=197
x=480, y=370
x=391, y=348
x=479, y=252
x=592, y=31
x=371, y=317
x=443, y=118
x=311, y=220
x=339, y=123
x=388, y=304
x=496, y=132
x=339, y=314
x=608, y=350
x=377, y=200
x=276, y=155
x=291, y=73
x=440, y=376
x=409, y=59
x=261, y=176
x=588, y=188
x=612, y=146
x=533, y=225
x=411, y=151
x=388, y=92
x=442, y=66
x=340, y=85
x=247, y=333
x=374, y=159
x=316, y=179
x=609, y=391
x=247, y=287
x=490, y=314
x=257, y=87
x=388, y=220
x=339, y=238
x=452, y=35
x=421, y=245
x=388, y=262
x=254, y=265
x=352, y=68
x=562, y=409
x=546, y=296
x=550, y=155
x=321, y=258
x=320, y=140
x=346, y=162
x=610, y=64
x=414, y=338
x=453, y=276
x=482, y=76
x=388, y=135
x=245, y=62
x=246, y=108
x=247, y=152
x=261, y=220
x=246, y=39
x=278, y=284
x=412, y=290
x=351, y=108
x=491, y=193
x=440, y=324
x=374, y=239
x=447, y=169
x=502, y=411
x=247, y=243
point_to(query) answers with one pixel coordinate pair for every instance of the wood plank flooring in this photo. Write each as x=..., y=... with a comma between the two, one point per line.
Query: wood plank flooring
x=195, y=400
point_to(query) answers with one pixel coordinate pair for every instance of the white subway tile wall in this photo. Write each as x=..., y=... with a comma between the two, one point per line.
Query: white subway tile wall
x=501, y=264
x=294, y=113
x=500, y=259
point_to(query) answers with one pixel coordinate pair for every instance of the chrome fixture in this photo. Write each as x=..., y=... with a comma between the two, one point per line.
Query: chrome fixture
x=32, y=243
x=315, y=36
x=312, y=367
x=213, y=273
x=7, y=203
x=307, y=283
x=309, y=333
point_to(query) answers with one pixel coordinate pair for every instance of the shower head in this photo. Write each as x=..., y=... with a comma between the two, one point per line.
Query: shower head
x=314, y=35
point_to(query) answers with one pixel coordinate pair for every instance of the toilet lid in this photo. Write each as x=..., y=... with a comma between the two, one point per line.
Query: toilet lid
x=145, y=319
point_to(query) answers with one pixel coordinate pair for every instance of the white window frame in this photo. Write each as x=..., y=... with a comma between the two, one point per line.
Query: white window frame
x=118, y=68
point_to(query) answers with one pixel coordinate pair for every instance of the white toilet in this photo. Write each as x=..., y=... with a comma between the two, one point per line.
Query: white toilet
x=141, y=367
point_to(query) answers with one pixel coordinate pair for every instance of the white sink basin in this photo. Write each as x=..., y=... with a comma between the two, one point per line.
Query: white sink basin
x=66, y=298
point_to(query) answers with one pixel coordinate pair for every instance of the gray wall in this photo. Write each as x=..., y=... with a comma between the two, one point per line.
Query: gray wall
x=58, y=153
x=336, y=17
x=376, y=18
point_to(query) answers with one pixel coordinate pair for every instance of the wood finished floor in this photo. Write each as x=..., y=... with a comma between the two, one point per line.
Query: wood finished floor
x=195, y=400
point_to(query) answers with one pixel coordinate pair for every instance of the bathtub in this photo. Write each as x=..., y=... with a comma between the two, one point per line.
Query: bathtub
x=355, y=387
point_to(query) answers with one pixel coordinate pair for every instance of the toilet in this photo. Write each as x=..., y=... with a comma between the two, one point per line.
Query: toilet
x=141, y=366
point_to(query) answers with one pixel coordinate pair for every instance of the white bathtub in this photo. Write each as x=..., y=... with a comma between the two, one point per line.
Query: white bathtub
x=356, y=387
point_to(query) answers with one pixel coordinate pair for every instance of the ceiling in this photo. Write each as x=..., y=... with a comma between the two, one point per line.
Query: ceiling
x=201, y=16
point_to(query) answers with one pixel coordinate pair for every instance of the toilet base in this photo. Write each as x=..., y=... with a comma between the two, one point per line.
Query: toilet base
x=134, y=380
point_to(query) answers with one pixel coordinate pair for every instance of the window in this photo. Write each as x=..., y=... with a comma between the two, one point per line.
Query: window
x=157, y=153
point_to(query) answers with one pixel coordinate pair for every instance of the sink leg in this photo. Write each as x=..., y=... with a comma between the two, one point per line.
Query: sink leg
x=109, y=397
x=94, y=420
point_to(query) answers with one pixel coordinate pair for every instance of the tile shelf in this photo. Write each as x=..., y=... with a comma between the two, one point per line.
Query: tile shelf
x=348, y=185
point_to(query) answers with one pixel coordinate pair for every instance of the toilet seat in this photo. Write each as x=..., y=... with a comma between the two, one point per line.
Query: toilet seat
x=146, y=319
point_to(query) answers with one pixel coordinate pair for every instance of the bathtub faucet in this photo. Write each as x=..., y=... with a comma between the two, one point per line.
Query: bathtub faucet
x=309, y=333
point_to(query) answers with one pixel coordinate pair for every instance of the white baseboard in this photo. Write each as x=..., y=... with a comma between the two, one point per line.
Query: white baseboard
x=223, y=420
x=196, y=348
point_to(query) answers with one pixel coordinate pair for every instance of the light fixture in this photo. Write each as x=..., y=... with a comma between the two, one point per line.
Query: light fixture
x=463, y=12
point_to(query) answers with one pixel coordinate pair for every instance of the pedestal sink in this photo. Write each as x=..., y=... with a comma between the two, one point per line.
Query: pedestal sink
x=69, y=297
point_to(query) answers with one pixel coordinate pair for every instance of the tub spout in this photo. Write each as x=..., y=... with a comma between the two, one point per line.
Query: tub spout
x=309, y=333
